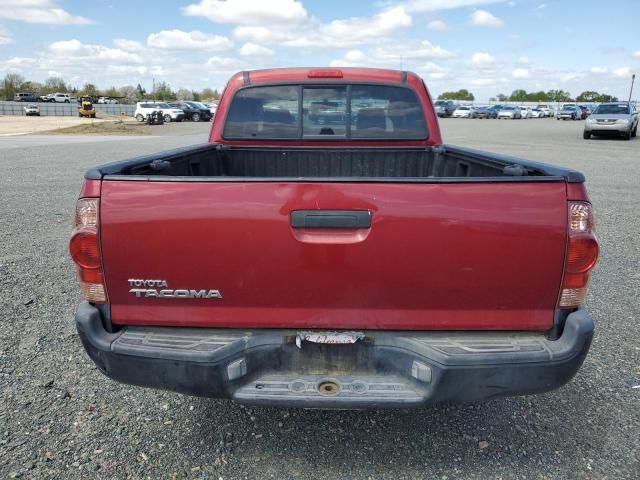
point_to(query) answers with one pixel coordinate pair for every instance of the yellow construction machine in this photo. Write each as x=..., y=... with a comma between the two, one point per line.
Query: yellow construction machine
x=86, y=108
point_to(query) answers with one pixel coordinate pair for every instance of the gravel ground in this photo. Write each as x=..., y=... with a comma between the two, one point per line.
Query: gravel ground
x=61, y=418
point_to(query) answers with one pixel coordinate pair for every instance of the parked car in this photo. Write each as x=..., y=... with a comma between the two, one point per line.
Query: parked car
x=525, y=112
x=25, y=97
x=107, y=100
x=485, y=112
x=510, y=112
x=32, y=110
x=445, y=108
x=203, y=108
x=538, y=113
x=279, y=253
x=192, y=112
x=463, y=111
x=569, y=112
x=212, y=106
x=59, y=98
x=547, y=109
x=584, y=112
x=615, y=118
x=169, y=114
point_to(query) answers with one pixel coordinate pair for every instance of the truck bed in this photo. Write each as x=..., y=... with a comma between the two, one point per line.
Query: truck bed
x=212, y=162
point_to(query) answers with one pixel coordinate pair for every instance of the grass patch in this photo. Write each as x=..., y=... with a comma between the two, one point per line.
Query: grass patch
x=103, y=128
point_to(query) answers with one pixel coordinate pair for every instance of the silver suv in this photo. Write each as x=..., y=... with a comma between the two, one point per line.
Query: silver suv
x=617, y=118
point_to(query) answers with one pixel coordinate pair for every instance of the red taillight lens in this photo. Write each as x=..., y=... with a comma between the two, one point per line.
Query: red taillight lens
x=84, y=248
x=582, y=253
x=581, y=257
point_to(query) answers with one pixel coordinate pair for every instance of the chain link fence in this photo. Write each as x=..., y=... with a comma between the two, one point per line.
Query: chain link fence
x=64, y=109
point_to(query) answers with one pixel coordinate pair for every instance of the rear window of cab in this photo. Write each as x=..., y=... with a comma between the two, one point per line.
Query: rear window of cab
x=336, y=111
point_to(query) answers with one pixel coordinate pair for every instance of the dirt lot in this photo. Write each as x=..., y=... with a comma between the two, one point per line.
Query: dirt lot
x=13, y=125
x=61, y=418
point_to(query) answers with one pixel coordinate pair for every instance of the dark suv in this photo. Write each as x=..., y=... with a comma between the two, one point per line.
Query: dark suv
x=445, y=108
x=193, y=111
x=26, y=97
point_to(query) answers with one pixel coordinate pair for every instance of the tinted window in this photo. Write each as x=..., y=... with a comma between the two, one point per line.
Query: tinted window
x=263, y=112
x=612, y=109
x=357, y=111
x=324, y=111
x=380, y=111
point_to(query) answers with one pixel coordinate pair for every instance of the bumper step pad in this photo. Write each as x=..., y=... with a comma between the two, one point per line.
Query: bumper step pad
x=320, y=389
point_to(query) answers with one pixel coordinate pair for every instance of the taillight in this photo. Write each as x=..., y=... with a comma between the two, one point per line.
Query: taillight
x=581, y=256
x=84, y=248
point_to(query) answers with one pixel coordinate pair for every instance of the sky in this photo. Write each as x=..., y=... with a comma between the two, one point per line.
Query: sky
x=485, y=46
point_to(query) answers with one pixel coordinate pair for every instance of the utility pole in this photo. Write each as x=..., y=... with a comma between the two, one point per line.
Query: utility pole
x=633, y=78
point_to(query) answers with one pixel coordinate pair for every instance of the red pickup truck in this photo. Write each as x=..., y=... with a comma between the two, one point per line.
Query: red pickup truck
x=325, y=249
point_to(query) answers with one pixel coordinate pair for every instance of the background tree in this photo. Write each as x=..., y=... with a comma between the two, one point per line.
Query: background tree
x=502, y=97
x=184, y=94
x=462, y=94
x=12, y=82
x=163, y=92
x=89, y=89
x=208, y=94
x=141, y=91
x=559, y=96
x=591, y=96
x=55, y=85
x=130, y=93
x=518, y=95
x=110, y=92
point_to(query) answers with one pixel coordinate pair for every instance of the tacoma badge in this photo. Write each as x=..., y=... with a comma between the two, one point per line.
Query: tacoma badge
x=145, y=292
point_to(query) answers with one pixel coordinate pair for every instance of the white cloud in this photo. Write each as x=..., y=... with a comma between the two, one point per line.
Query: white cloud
x=523, y=60
x=622, y=72
x=338, y=33
x=351, y=31
x=70, y=51
x=482, y=18
x=437, y=25
x=542, y=6
x=195, y=40
x=39, y=11
x=477, y=82
x=128, y=45
x=599, y=70
x=53, y=73
x=248, y=12
x=355, y=56
x=251, y=49
x=382, y=24
x=226, y=64
x=482, y=59
x=394, y=55
x=520, y=73
x=433, y=71
x=637, y=54
x=409, y=51
x=18, y=64
x=5, y=36
x=433, y=5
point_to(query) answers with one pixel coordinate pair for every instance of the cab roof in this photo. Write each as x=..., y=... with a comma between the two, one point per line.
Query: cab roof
x=321, y=74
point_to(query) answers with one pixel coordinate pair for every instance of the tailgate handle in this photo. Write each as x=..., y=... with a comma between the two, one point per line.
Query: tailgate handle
x=331, y=219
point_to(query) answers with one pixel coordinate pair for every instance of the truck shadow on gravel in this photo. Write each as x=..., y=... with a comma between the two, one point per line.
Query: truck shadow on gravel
x=526, y=430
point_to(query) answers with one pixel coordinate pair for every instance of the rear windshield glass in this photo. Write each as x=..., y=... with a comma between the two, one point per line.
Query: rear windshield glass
x=372, y=112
